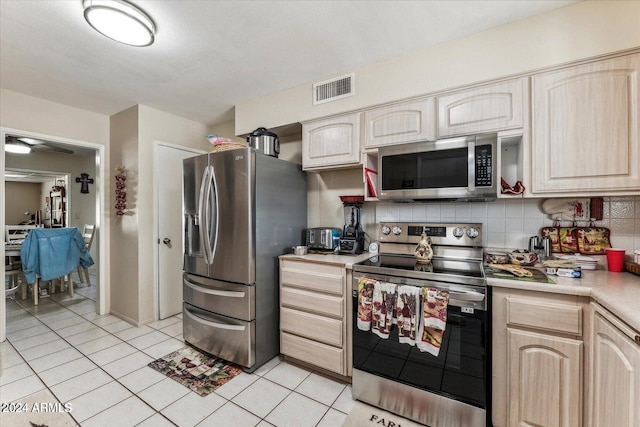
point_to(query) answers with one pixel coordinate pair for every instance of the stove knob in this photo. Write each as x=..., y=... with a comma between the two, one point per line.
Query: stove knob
x=397, y=230
x=458, y=232
x=473, y=233
x=386, y=230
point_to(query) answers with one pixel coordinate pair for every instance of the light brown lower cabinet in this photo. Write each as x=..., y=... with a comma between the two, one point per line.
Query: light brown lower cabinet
x=615, y=375
x=537, y=358
x=313, y=307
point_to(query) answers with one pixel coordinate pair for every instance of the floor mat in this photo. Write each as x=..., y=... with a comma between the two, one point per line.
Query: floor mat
x=198, y=371
x=40, y=409
x=362, y=415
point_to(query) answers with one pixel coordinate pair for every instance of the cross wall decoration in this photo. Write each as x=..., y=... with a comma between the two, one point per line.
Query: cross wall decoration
x=85, y=180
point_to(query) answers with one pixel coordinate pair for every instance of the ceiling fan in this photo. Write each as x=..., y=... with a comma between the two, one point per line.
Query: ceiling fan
x=23, y=145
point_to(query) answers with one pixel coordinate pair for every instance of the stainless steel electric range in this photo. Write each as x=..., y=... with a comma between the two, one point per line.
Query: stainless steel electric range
x=451, y=389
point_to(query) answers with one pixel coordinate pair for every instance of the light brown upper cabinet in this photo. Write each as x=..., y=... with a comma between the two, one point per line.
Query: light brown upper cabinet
x=331, y=143
x=399, y=123
x=585, y=125
x=492, y=107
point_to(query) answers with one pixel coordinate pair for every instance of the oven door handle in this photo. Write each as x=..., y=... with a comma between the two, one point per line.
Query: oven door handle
x=466, y=296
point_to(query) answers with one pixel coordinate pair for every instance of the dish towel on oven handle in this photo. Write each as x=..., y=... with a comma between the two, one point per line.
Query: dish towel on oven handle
x=365, y=301
x=384, y=302
x=407, y=308
x=433, y=320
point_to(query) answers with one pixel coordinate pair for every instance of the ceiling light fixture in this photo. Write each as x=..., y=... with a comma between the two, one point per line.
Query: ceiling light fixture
x=120, y=21
x=17, y=148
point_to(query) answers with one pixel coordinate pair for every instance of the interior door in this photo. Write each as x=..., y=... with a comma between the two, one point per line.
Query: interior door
x=170, y=227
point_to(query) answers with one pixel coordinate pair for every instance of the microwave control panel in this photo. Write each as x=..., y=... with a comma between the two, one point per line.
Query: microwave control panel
x=484, y=166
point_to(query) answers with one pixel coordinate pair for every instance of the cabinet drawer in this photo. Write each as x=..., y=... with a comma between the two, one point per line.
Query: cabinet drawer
x=318, y=328
x=312, y=352
x=314, y=302
x=316, y=277
x=555, y=317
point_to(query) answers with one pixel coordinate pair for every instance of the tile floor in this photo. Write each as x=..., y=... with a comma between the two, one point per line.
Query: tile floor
x=98, y=364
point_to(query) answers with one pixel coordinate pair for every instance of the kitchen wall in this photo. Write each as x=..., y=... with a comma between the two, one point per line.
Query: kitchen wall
x=508, y=223
x=21, y=197
x=581, y=30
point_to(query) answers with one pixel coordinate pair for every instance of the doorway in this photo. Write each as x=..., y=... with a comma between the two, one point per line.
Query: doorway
x=66, y=155
x=169, y=229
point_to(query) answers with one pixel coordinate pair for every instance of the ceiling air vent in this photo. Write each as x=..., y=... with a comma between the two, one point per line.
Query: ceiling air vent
x=336, y=88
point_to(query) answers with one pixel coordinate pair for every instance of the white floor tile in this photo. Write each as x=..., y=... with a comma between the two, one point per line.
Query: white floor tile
x=28, y=333
x=173, y=330
x=90, y=335
x=287, y=375
x=118, y=326
x=128, y=334
x=24, y=322
x=68, y=370
x=127, y=413
x=78, y=328
x=98, y=344
x=159, y=324
x=19, y=389
x=15, y=373
x=157, y=420
x=141, y=378
x=10, y=359
x=44, y=350
x=65, y=323
x=261, y=397
x=163, y=393
x=193, y=408
x=148, y=340
x=163, y=348
x=112, y=353
x=236, y=385
x=38, y=340
x=55, y=359
x=333, y=418
x=345, y=401
x=324, y=390
x=107, y=319
x=230, y=415
x=127, y=364
x=297, y=410
x=81, y=384
x=89, y=404
x=268, y=366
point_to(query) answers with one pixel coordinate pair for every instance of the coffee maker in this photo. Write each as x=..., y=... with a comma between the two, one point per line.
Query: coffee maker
x=352, y=240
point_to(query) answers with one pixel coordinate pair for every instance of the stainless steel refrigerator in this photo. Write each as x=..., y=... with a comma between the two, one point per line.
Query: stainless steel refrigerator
x=242, y=210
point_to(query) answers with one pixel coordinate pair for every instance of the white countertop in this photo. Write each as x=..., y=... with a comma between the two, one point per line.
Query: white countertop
x=617, y=292
x=331, y=258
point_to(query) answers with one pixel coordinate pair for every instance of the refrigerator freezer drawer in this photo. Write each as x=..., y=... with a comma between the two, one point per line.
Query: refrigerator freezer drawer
x=228, y=299
x=224, y=337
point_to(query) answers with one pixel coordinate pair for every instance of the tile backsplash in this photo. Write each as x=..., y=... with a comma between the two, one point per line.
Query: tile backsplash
x=508, y=223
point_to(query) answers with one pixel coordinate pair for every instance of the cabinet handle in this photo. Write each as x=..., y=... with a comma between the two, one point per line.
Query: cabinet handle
x=637, y=338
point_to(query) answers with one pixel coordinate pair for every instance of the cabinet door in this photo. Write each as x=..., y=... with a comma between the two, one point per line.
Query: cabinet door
x=615, y=394
x=585, y=126
x=330, y=143
x=545, y=386
x=492, y=107
x=400, y=123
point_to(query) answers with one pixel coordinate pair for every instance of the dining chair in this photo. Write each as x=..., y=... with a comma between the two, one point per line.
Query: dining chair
x=88, y=233
x=14, y=233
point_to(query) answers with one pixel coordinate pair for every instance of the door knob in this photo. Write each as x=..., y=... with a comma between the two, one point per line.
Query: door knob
x=166, y=241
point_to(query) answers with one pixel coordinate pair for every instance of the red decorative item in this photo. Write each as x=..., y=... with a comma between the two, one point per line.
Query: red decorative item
x=121, y=191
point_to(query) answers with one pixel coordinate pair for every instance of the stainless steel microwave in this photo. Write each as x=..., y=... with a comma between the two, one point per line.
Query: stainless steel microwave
x=453, y=169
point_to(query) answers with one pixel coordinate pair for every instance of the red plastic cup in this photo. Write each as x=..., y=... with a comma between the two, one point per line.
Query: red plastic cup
x=615, y=259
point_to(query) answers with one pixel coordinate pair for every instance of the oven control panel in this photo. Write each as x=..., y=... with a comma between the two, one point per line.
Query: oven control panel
x=449, y=234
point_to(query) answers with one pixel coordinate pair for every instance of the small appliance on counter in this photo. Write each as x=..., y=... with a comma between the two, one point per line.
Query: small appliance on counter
x=352, y=240
x=322, y=238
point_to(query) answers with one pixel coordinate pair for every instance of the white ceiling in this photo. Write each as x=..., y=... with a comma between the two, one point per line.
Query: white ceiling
x=210, y=55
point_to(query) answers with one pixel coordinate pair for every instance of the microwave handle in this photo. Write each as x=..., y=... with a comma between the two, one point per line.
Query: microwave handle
x=471, y=164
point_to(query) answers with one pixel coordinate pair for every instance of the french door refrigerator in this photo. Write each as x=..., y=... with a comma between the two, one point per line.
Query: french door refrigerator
x=242, y=210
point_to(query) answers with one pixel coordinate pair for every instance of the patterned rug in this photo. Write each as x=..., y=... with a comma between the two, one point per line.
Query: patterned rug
x=198, y=371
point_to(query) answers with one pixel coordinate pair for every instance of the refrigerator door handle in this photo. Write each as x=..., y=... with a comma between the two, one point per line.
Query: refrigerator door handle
x=230, y=294
x=201, y=218
x=214, y=324
x=213, y=188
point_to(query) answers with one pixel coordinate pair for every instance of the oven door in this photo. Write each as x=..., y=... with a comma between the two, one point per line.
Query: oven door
x=453, y=385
